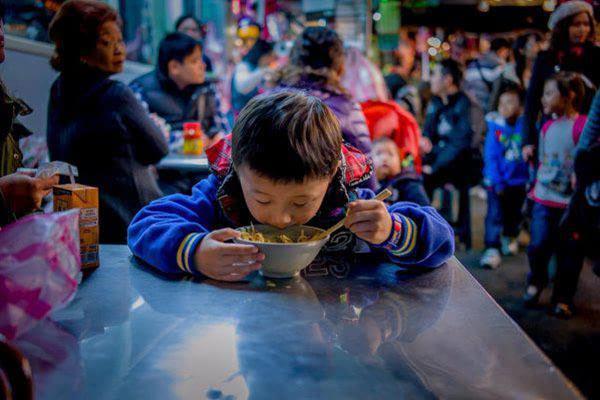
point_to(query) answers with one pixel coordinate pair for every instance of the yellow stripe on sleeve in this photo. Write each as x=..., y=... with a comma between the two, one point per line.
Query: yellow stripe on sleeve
x=180, y=251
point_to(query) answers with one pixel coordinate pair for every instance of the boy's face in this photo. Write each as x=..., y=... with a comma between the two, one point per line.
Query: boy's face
x=281, y=204
x=552, y=100
x=386, y=159
x=509, y=105
x=191, y=71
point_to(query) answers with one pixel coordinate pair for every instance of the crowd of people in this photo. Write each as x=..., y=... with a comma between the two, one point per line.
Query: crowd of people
x=518, y=120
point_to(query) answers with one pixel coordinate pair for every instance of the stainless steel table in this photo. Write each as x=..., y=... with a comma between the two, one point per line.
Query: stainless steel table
x=131, y=333
x=183, y=163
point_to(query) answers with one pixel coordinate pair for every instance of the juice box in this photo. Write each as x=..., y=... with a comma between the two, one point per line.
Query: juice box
x=85, y=198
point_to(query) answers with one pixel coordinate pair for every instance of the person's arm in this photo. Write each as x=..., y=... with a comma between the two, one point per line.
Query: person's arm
x=166, y=233
x=459, y=138
x=591, y=132
x=150, y=142
x=419, y=238
x=533, y=98
x=214, y=122
x=355, y=131
x=245, y=80
x=492, y=154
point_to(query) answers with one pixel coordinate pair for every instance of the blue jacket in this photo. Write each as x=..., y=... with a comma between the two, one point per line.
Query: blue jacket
x=503, y=163
x=166, y=233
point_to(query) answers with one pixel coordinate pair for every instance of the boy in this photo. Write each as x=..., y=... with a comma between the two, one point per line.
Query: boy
x=447, y=132
x=505, y=176
x=283, y=165
x=177, y=91
x=397, y=173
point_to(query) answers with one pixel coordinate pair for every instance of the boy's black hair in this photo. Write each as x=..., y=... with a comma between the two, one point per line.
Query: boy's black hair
x=259, y=49
x=287, y=136
x=568, y=82
x=454, y=69
x=507, y=86
x=175, y=46
x=499, y=43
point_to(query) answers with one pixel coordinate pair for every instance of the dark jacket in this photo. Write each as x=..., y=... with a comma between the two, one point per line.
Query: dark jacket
x=448, y=126
x=98, y=125
x=10, y=133
x=176, y=106
x=546, y=65
x=352, y=120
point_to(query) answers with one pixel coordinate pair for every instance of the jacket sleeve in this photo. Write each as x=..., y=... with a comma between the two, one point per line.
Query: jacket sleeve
x=492, y=154
x=420, y=237
x=459, y=139
x=166, y=233
x=591, y=132
x=533, y=98
x=150, y=143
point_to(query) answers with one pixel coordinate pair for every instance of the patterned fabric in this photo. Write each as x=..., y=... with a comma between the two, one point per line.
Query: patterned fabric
x=403, y=237
x=558, y=140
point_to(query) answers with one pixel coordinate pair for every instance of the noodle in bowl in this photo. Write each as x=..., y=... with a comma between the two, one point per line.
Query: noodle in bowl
x=283, y=259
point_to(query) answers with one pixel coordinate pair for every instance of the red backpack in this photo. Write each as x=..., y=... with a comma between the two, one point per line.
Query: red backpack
x=387, y=118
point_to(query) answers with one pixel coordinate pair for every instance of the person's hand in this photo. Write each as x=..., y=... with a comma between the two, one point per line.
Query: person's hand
x=427, y=170
x=226, y=261
x=24, y=193
x=528, y=152
x=369, y=220
x=162, y=124
x=425, y=145
x=573, y=181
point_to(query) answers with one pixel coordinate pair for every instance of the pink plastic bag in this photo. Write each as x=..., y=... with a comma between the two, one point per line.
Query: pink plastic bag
x=39, y=266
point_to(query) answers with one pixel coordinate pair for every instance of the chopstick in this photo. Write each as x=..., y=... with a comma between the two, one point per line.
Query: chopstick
x=384, y=194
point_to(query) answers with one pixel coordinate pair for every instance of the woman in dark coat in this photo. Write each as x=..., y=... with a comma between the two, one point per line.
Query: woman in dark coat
x=572, y=49
x=96, y=123
x=316, y=66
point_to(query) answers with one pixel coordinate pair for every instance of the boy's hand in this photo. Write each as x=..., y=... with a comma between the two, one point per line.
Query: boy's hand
x=226, y=261
x=369, y=220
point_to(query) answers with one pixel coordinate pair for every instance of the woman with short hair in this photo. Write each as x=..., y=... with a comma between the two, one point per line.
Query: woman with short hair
x=96, y=123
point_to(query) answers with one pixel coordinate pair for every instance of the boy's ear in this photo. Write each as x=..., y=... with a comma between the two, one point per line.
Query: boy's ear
x=173, y=67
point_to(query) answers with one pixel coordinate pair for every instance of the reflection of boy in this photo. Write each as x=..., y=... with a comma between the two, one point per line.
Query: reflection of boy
x=505, y=175
x=397, y=173
x=284, y=165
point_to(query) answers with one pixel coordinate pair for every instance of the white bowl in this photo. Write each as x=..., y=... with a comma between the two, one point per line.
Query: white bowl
x=285, y=260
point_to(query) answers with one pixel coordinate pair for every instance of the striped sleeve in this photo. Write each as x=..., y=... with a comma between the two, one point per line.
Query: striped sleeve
x=403, y=237
x=186, y=251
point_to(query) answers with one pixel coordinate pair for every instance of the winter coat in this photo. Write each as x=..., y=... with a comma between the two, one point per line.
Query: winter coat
x=167, y=232
x=176, y=106
x=98, y=125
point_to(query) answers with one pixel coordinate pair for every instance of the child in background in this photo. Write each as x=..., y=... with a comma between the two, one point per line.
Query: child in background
x=562, y=98
x=397, y=173
x=283, y=165
x=505, y=177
